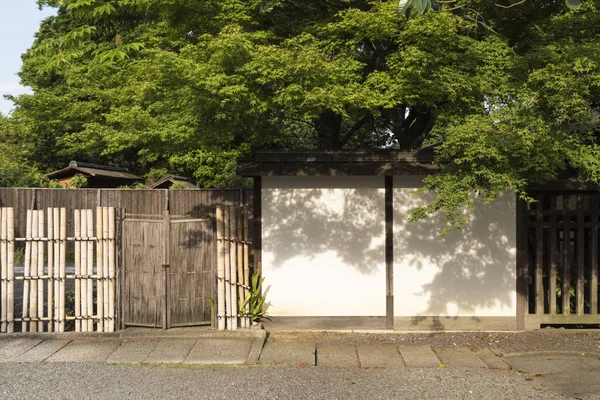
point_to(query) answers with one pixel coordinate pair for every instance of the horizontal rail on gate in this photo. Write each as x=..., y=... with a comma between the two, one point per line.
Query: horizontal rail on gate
x=189, y=220
x=150, y=216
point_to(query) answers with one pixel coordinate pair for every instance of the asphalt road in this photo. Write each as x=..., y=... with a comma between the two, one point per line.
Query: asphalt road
x=95, y=381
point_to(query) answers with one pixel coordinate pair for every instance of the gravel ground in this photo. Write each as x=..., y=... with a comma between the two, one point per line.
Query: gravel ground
x=505, y=342
x=90, y=381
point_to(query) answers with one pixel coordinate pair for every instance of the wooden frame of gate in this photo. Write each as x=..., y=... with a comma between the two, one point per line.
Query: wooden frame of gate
x=557, y=258
x=169, y=270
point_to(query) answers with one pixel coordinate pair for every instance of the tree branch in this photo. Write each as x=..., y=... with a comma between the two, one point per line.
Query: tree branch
x=355, y=128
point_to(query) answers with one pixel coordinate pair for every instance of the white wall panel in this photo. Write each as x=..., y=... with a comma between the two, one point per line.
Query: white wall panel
x=466, y=273
x=323, y=246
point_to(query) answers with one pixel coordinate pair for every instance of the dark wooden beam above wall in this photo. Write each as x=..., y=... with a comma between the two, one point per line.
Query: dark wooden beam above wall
x=389, y=252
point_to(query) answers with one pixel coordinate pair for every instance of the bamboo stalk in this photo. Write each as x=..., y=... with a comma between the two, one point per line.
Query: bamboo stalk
x=246, y=279
x=105, y=265
x=63, y=248
x=10, y=235
x=220, y=272
x=40, y=272
x=90, y=270
x=83, y=269
x=226, y=255
x=77, y=222
x=50, y=269
x=99, y=272
x=27, y=260
x=56, y=235
x=111, y=269
x=3, y=272
x=240, y=263
x=33, y=272
x=233, y=267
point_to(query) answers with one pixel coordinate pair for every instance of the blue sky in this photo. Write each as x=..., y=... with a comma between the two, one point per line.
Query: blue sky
x=19, y=21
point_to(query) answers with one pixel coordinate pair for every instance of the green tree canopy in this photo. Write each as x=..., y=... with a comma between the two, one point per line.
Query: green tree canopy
x=187, y=86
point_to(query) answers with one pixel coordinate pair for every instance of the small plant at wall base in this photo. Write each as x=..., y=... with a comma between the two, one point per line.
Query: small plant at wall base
x=255, y=299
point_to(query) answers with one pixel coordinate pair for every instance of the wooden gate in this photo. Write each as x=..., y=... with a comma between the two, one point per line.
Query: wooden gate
x=557, y=279
x=169, y=270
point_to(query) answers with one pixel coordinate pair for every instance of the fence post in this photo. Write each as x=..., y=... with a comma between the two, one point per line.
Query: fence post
x=165, y=267
x=10, y=313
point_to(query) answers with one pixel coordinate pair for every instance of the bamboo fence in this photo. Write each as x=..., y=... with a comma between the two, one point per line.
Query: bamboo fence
x=44, y=303
x=233, y=280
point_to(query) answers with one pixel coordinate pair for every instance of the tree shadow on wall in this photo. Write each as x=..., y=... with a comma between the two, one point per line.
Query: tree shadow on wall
x=309, y=222
x=469, y=270
x=472, y=269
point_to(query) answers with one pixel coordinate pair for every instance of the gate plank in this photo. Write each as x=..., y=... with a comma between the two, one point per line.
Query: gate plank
x=580, y=292
x=539, y=235
x=553, y=257
x=566, y=273
x=594, y=257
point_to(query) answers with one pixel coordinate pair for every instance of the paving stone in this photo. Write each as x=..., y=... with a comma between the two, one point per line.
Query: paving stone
x=459, y=357
x=257, y=346
x=301, y=353
x=170, y=351
x=42, y=351
x=545, y=364
x=132, y=351
x=380, y=355
x=85, y=351
x=10, y=348
x=491, y=359
x=419, y=356
x=220, y=351
x=337, y=355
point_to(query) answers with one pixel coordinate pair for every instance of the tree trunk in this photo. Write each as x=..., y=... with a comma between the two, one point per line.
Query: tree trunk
x=328, y=127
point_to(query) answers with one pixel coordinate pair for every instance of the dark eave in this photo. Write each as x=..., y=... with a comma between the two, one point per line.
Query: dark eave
x=338, y=163
x=92, y=170
x=163, y=183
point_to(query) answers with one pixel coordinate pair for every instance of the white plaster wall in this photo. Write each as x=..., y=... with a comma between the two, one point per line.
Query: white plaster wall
x=323, y=246
x=468, y=273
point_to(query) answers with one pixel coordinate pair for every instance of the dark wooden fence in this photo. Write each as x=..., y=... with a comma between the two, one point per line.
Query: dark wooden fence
x=196, y=203
x=558, y=258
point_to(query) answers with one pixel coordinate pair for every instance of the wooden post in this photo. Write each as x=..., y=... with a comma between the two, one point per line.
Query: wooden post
x=257, y=219
x=63, y=253
x=40, y=272
x=221, y=312
x=99, y=271
x=26, y=272
x=10, y=236
x=165, y=267
x=389, y=251
x=78, y=302
x=119, y=268
x=4, y=272
x=111, y=269
x=50, y=269
x=522, y=280
x=90, y=270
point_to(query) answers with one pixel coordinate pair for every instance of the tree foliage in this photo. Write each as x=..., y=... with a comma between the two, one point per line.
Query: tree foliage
x=186, y=87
